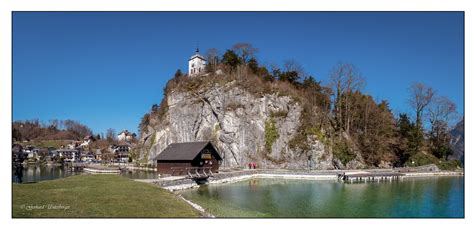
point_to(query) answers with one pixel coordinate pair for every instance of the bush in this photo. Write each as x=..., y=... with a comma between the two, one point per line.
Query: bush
x=449, y=165
x=342, y=152
x=271, y=134
x=421, y=159
x=279, y=114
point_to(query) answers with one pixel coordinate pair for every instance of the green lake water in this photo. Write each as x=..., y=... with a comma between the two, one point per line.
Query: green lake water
x=412, y=197
x=32, y=174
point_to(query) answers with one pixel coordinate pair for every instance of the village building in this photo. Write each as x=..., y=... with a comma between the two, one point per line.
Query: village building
x=196, y=64
x=53, y=153
x=31, y=153
x=179, y=157
x=17, y=153
x=87, y=141
x=69, y=155
x=87, y=156
x=125, y=135
x=121, y=152
x=98, y=155
x=41, y=153
x=72, y=145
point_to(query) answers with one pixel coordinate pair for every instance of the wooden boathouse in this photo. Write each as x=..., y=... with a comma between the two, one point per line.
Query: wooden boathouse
x=192, y=159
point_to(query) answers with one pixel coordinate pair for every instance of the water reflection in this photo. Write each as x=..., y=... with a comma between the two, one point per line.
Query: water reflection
x=30, y=174
x=17, y=173
x=428, y=197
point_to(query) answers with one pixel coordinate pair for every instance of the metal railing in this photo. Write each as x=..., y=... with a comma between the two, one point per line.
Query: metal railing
x=192, y=172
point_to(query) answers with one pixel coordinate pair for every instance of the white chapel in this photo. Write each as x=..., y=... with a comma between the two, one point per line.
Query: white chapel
x=197, y=64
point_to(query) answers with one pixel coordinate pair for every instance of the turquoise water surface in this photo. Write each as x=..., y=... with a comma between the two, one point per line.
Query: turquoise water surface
x=412, y=197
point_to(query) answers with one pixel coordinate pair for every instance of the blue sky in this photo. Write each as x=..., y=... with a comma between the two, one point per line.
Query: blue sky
x=106, y=69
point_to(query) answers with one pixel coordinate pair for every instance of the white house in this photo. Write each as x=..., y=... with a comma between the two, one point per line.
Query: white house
x=71, y=146
x=125, y=135
x=120, y=152
x=197, y=64
x=69, y=155
x=86, y=141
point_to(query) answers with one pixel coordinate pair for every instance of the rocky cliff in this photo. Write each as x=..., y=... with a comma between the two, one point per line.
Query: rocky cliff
x=457, y=141
x=244, y=126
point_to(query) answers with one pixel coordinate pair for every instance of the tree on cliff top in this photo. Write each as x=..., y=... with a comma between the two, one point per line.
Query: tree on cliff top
x=345, y=80
x=178, y=74
x=420, y=97
x=441, y=112
x=231, y=59
x=212, y=56
x=245, y=51
x=361, y=127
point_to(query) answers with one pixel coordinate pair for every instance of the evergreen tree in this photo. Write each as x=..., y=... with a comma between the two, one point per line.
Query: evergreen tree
x=253, y=66
x=178, y=74
x=265, y=74
x=231, y=59
x=410, y=139
x=309, y=82
x=154, y=108
x=291, y=76
x=439, y=140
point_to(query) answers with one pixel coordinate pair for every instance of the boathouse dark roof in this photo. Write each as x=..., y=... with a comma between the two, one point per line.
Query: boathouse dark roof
x=185, y=151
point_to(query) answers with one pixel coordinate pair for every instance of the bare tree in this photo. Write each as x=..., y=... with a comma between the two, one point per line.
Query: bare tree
x=111, y=135
x=54, y=123
x=420, y=97
x=76, y=128
x=107, y=156
x=245, y=51
x=293, y=66
x=441, y=109
x=345, y=79
x=212, y=56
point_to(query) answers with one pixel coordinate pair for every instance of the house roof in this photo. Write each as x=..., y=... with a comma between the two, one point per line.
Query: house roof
x=184, y=151
x=124, y=131
x=197, y=55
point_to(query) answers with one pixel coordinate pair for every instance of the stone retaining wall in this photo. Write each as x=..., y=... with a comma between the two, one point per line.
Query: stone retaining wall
x=429, y=174
x=235, y=176
x=228, y=177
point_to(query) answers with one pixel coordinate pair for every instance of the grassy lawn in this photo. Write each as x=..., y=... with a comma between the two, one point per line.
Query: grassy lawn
x=96, y=196
x=47, y=143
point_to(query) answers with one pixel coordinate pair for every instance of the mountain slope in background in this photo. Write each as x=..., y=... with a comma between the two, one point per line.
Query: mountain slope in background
x=457, y=141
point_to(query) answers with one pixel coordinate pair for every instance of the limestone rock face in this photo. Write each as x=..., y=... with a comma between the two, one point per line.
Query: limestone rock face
x=234, y=120
x=457, y=142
